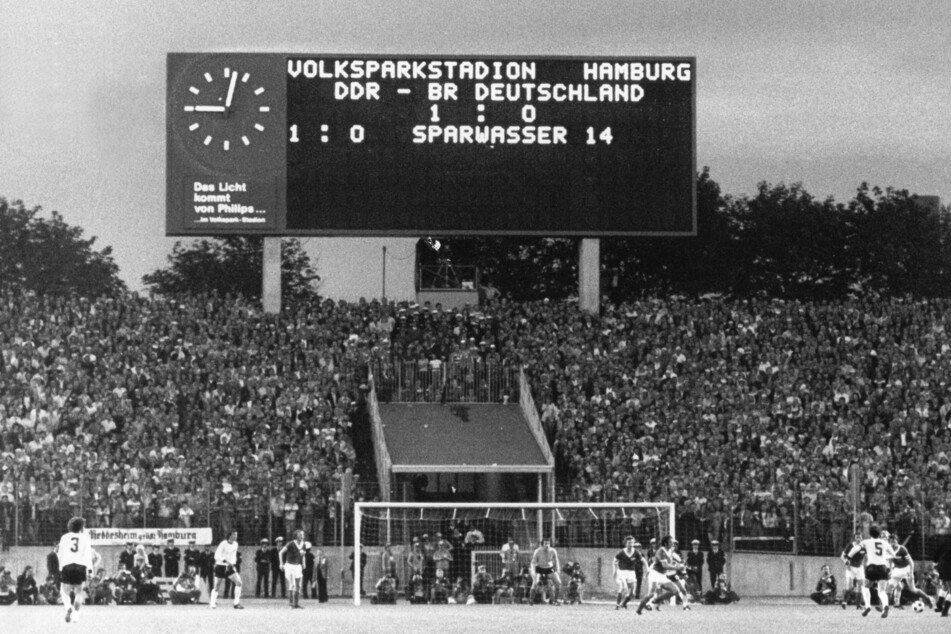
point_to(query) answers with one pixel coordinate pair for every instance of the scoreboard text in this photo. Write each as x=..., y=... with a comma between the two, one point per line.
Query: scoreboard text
x=369, y=145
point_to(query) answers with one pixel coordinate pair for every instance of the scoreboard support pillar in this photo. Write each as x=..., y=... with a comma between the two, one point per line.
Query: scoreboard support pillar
x=589, y=275
x=271, y=276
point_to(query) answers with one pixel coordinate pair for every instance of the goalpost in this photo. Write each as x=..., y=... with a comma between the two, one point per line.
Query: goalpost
x=477, y=532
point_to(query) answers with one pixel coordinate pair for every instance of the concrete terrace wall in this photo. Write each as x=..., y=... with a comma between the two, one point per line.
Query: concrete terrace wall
x=752, y=574
x=17, y=558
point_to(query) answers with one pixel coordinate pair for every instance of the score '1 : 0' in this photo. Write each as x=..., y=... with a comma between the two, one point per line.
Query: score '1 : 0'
x=357, y=134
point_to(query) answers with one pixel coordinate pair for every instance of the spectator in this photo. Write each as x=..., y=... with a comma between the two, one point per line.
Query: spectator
x=780, y=398
x=27, y=591
x=185, y=589
x=322, y=574
x=825, y=593
x=8, y=587
x=385, y=590
x=52, y=564
x=185, y=514
x=102, y=589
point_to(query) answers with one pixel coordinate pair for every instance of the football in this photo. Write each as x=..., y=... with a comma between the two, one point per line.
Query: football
x=918, y=606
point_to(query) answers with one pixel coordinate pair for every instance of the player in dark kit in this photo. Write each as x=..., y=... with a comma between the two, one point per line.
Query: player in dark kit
x=291, y=558
x=854, y=574
x=902, y=575
x=660, y=586
x=625, y=572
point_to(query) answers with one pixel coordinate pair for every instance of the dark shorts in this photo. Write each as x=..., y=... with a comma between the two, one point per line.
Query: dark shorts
x=544, y=571
x=73, y=574
x=876, y=573
x=223, y=571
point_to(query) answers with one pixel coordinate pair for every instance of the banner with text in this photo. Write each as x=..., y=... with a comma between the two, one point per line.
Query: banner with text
x=122, y=536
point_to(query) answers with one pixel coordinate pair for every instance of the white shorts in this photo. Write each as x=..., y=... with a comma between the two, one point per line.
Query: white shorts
x=855, y=572
x=654, y=577
x=897, y=574
x=293, y=571
x=626, y=577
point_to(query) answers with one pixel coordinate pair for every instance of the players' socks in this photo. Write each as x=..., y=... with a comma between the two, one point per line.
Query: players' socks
x=237, y=595
x=213, y=597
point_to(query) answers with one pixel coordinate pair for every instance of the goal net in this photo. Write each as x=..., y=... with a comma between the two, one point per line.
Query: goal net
x=474, y=534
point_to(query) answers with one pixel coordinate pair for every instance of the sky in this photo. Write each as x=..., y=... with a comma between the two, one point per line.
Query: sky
x=829, y=93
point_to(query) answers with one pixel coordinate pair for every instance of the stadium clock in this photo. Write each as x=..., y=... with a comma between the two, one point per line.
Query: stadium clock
x=225, y=110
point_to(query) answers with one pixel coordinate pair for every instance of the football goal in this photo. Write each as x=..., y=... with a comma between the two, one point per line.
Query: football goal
x=407, y=537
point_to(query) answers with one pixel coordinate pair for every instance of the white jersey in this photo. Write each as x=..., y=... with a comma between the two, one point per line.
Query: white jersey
x=227, y=553
x=878, y=552
x=75, y=548
x=677, y=560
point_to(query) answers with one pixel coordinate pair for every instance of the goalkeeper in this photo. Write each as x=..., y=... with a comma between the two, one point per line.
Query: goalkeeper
x=545, y=562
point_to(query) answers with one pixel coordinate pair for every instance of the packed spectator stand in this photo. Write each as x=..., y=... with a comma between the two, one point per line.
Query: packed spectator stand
x=751, y=415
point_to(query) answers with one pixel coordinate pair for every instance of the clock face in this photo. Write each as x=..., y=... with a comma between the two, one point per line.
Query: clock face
x=229, y=110
x=224, y=112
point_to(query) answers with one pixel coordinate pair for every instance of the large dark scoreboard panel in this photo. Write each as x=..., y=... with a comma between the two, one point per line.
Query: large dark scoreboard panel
x=460, y=145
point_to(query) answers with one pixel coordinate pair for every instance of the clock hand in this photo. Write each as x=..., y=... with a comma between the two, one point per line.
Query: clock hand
x=204, y=108
x=234, y=80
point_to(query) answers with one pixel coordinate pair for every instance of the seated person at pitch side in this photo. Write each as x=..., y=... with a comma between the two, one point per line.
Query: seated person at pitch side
x=185, y=590
x=825, y=588
x=483, y=586
x=440, y=589
x=385, y=590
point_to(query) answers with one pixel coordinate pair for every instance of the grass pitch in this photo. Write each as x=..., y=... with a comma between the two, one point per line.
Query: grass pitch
x=260, y=615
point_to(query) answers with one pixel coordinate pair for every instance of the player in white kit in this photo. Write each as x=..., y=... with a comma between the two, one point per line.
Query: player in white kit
x=226, y=556
x=878, y=560
x=76, y=562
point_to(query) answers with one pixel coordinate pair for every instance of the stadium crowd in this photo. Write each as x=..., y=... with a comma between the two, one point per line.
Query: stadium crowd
x=134, y=410
x=735, y=409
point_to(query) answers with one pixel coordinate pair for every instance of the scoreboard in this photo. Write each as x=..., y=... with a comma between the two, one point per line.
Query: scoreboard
x=291, y=144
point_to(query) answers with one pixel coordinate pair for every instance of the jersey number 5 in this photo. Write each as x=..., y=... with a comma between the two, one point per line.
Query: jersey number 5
x=878, y=548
